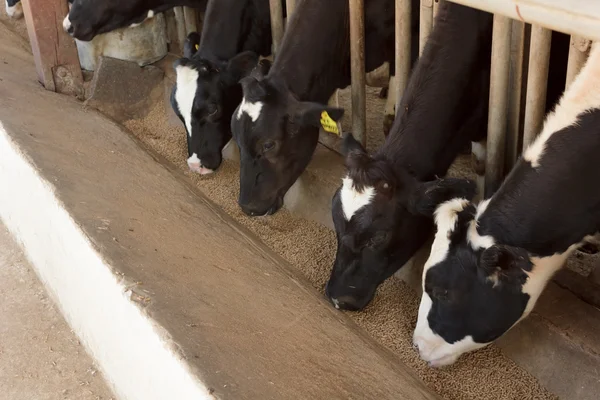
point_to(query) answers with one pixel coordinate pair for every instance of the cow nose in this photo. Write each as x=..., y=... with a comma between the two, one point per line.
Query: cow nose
x=345, y=303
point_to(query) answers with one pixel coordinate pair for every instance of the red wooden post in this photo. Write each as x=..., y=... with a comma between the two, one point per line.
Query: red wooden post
x=54, y=51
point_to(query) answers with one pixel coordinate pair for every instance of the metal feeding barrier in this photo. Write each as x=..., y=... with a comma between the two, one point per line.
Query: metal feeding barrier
x=521, y=36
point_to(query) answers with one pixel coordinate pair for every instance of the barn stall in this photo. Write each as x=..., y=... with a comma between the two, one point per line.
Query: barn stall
x=523, y=361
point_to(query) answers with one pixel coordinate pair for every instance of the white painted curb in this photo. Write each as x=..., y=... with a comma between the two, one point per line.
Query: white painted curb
x=131, y=351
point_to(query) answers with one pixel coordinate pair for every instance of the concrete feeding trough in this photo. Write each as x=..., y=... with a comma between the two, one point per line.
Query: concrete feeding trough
x=143, y=44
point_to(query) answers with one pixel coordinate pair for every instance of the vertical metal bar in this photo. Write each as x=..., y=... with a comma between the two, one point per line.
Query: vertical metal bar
x=577, y=56
x=517, y=47
x=357, y=56
x=403, y=50
x=537, y=82
x=290, y=5
x=276, y=23
x=436, y=7
x=425, y=23
x=497, y=121
x=180, y=19
x=191, y=20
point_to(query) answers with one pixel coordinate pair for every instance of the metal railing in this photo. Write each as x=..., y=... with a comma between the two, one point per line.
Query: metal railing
x=579, y=18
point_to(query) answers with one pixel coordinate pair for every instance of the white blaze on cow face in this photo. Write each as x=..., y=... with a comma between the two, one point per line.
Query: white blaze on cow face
x=15, y=11
x=576, y=100
x=446, y=216
x=185, y=93
x=353, y=200
x=252, y=109
x=473, y=237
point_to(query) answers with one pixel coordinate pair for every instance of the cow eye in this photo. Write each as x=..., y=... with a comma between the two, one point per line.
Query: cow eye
x=440, y=294
x=378, y=239
x=212, y=109
x=268, y=145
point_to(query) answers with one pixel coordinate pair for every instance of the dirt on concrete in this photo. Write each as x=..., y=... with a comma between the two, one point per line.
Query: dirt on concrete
x=310, y=247
x=40, y=358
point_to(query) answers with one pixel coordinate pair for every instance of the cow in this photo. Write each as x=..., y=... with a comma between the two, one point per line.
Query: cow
x=89, y=18
x=207, y=91
x=276, y=126
x=490, y=262
x=444, y=107
x=14, y=8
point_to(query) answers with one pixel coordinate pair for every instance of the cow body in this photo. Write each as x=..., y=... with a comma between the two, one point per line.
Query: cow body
x=89, y=18
x=489, y=263
x=444, y=107
x=277, y=140
x=14, y=8
x=207, y=92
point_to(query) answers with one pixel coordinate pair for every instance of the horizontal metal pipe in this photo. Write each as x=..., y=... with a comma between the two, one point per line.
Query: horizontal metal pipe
x=576, y=17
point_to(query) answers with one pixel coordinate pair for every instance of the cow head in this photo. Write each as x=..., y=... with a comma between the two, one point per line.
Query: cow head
x=204, y=97
x=379, y=227
x=473, y=289
x=89, y=18
x=277, y=135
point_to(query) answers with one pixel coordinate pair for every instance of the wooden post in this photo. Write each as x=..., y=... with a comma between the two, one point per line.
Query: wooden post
x=276, y=23
x=54, y=51
x=537, y=83
x=497, y=121
x=357, y=56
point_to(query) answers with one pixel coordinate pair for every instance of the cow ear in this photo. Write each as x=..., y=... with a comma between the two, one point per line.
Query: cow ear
x=503, y=264
x=241, y=65
x=356, y=157
x=262, y=68
x=254, y=90
x=351, y=145
x=429, y=195
x=191, y=44
x=309, y=114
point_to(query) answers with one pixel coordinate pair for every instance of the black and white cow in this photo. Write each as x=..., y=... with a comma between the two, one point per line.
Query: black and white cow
x=277, y=124
x=14, y=8
x=207, y=91
x=89, y=18
x=377, y=224
x=489, y=263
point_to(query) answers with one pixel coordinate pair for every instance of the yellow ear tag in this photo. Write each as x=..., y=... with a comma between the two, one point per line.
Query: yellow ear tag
x=197, y=47
x=328, y=124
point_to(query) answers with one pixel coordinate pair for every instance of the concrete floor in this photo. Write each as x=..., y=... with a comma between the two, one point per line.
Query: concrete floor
x=40, y=358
